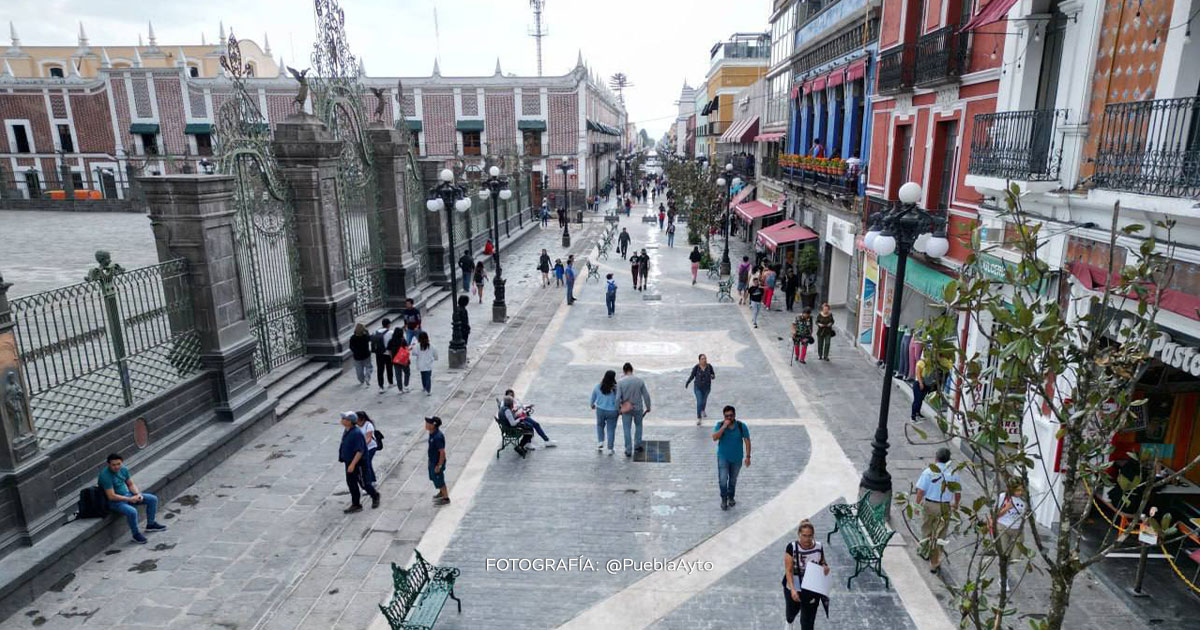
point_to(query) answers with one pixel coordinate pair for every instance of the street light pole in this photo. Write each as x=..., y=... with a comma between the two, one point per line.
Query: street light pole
x=496, y=187
x=727, y=181
x=565, y=167
x=900, y=230
x=445, y=196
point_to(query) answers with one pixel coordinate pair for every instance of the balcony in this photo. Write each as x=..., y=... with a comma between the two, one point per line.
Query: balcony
x=717, y=127
x=1151, y=148
x=896, y=69
x=941, y=56
x=1023, y=146
x=843, y=44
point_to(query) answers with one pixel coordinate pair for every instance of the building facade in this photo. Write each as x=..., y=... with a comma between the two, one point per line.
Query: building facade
x=734, y=64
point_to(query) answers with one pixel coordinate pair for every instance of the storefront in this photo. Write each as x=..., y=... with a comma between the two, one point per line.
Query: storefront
x=782, y=242
x=754, y=216
x=922, y=301
x=838, y=260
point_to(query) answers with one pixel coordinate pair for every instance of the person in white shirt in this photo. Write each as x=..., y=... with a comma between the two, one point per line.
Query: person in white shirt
x=368, y=430
x=422, y=355
x=938, y=493
x=1010, y=518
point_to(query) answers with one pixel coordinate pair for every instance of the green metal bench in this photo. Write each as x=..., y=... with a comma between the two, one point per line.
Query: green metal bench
x=602, y=251
x=724, y=289
x=866, y=534
x=593, y=272
x=420, y=594
x=509, y=436
x=714, y=270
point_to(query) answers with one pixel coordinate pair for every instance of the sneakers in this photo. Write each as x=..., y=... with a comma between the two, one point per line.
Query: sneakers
x=357, y=507
x=639, y=448
x=139, y=539
x=732, y=502
x=610, y=452
x=551, y=444
x=155, y=527
x=600, y=446
x=375, y=502
x=697, y=419
x=440, y=501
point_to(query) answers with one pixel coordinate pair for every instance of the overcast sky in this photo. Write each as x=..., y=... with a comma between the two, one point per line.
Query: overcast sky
x=658, y=43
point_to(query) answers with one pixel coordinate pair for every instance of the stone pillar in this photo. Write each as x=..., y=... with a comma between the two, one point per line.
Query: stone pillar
x=436, y=243
x=391, y=160
x=193, y=217
x=308, y=154
x=26, y=483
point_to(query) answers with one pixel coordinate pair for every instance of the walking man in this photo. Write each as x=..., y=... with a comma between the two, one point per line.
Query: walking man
x=756, y=299
x=570, y=277
x=633, y=401
x=733, y=443
x=634, y=262
x=644, y=268
x=124, y=497
x=437, y=460
x=466, y=265
x=610, y=295
x=379, y=347
x=352, y=453
x=743, y=279
x=924, y=380
x=623, y=242
x=670, y=235
x=412, y=321
x=938, y=495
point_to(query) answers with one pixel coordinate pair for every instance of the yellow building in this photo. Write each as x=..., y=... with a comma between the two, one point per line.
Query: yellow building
x=734, y=64
x=85, y=60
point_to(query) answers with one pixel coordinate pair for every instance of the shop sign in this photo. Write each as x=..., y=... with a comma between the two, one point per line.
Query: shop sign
x=1182, y=357
x=993, y=267
x=840, y=233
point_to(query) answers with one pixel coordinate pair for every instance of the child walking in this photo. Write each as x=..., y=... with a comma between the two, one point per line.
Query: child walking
x=559, y=270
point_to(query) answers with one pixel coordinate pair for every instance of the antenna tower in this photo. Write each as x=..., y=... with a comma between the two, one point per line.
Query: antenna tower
x=537, y=32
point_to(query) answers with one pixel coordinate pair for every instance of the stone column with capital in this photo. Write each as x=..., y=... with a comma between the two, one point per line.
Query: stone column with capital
x=308, y=155
x=194, y=218
x=391, y=162
x=436, y=240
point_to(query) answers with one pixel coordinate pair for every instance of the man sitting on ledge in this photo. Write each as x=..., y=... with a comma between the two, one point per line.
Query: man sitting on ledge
x=124, y=497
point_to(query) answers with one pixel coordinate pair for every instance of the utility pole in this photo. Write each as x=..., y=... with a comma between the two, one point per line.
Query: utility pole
x=538, y=32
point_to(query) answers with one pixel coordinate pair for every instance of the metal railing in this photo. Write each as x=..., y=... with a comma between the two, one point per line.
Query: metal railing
x=941, y=56
x=842, y=184
x=896, y=69
x=845, y=43
x=1024, y=146
x=1151, y=147
x=94, y=348
x=718, y=127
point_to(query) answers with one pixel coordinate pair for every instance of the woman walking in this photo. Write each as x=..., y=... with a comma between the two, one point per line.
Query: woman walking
x=604, y=401
x=769, y=283
x=825, y=332
x=695, y=258
x=544, y=267
x=422, y=355
x=360, y=349
x=368, y=430
x=796, y=558
x=703, y=375
x=610, y=295
x=802, y=335
x=480, y=277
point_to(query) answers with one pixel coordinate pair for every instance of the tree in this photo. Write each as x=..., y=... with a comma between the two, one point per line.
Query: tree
x=1068, y=363
x=697, y=194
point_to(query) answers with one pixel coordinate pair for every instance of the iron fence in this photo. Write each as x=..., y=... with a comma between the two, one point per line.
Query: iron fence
x=94, y=348
x=896, y=68
x=941, y=56
x=1024, y=146
x=1151, y=147
x=843, y=44
x=100, y=187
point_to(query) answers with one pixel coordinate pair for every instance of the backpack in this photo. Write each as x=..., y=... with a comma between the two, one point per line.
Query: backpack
x=378, y=440
x=377, y=342
x=612, y=288
x=402, y=356
x=93, y=503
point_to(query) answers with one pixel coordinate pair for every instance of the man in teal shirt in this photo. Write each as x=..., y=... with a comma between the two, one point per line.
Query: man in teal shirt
x=731, y=436
x=124, y=497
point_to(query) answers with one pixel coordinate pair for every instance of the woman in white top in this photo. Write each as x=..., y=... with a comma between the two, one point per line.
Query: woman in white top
x=1010, y=517
x=422, y=355
x=368, y=430
x=796, y=557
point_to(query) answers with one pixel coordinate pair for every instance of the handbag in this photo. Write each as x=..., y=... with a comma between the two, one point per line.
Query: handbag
x=402, y=356
x=626, y=406
x=378, y=440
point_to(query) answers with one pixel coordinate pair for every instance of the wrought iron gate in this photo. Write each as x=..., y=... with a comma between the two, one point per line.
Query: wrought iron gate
x=265, y=231
x=337, y=101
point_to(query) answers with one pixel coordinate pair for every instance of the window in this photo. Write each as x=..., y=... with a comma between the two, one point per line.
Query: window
x=64, y=139
x=901, y=156
x=946, y=150
x=21, y=138
x=204, y=144
x=33, y=184
x=149, y=143
x=193, y=71
x=532, y=139
x=251, y=69
x=76, y=181
x=56, y=72
x=470, y=142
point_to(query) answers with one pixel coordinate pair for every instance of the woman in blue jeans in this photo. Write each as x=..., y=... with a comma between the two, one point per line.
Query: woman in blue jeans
x=604, y=401
x=703, y=375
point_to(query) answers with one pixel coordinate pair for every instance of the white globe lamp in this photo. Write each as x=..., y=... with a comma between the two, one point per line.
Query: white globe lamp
x=484, y=193
x=937, y=246
x=462, y=205
x=921, y=242
x=910, y=193
x=869, y=238
x=885, y=244
x=506, y=194
x=494, y=171
x=721, y=182
x=434, y=205
x=446, y=175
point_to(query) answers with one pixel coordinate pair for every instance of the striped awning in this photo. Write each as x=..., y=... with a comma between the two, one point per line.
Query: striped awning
x=783, y=233
x=752, y=210
x=741, y=131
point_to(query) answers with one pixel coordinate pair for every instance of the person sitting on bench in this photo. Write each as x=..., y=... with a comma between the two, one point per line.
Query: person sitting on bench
x=508, y=415
x=524, y=415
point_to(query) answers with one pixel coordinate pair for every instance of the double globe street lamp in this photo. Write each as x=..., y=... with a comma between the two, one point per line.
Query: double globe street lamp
x=902, y=229
x=496, y=188
x=566, y=168
x=727, y=181
x=445, y=195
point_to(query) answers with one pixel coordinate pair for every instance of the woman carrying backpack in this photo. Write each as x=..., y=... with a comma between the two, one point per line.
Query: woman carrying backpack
x=610, y=295
x=373, y=443
x=422, y=355
x=400, y=359
x=480, y=278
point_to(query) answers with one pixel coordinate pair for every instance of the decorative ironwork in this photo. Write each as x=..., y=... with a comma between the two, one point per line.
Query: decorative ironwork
x=94, y=348
x=338, y=102
x=941, y=56
x=896, y=69
x=844, y=43
x=1151, y=147
x=1023, y=146
x=265, y=230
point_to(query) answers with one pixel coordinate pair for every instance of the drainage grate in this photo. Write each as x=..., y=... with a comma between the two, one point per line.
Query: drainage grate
x=656, y=451
x=651, y=297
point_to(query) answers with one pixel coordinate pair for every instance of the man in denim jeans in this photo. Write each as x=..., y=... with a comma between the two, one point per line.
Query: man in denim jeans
x=124, y=497
x=730, y=434
x=632, y=390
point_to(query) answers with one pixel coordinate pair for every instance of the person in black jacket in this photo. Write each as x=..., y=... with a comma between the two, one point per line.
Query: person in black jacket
x=695, y=257
x=360, y=349
x=461, y=318
x=352, y=453
x=466, y=265
x=394, y=344
x=791, y=282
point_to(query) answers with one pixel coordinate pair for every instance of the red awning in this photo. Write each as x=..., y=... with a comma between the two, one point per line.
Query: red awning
x=818, y=84
x=857, y=70
x=752, y=210
x=834, y=79
x=808, y=86
x=741, y=131
x=795, y=90
x=769, y=137
x=995, y=10
x=741, y=196
x=1093, y=279
x=783, y=233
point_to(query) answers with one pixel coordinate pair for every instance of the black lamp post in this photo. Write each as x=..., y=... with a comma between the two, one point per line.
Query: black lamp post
x=727, y=181
x=496, y=187
x=566, y=167
x=901, y=229
x=445, y=196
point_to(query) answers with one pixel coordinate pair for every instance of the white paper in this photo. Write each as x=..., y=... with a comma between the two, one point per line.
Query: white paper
x=815, y=579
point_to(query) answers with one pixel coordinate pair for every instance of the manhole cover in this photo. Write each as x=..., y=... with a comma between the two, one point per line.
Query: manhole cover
x=651, y=297
x=654, y=451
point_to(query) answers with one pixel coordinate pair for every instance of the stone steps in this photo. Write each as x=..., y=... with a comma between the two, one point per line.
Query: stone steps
x=298, y=383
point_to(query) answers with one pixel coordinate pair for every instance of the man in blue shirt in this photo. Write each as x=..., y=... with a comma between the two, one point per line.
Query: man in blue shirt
x=938, y=492
x=352, y=453
x=730, y=434
x=570, y=279
x=437, y=460
x=124, y=497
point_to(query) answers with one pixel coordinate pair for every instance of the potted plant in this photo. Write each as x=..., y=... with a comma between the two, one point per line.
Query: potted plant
x=807, y=265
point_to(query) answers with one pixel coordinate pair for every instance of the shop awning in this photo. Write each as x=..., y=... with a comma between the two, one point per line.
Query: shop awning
x=751, y=210
x=795, y=90
x=741, y=131
x=531, y=125
x=414, y=124
x=195, y=128
x=818, y=84
x=995, y=10
x=918, y=277
x=783, y=233
x=741, y=195
x=137, y=128
x=1092, y=278
x=835, y=78
x=469, y=125
x=711, y=105
x=769, y=137
x=857, y=70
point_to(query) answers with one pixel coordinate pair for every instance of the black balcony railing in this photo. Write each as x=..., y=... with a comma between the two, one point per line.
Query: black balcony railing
x=941, y=56
x=1151, y=147
x=896, y=69
x=837, y=184
x=844, y=43
x=1024, y=146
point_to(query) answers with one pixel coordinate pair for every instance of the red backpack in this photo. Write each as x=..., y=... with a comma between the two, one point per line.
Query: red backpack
x=402, y=356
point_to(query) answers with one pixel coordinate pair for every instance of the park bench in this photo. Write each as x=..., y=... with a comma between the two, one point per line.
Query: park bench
x=602, y=251
x=723, y=290
x=593, y=271
x=420, y=594
x=509, y=435
x=865, y=532
x=714, y=271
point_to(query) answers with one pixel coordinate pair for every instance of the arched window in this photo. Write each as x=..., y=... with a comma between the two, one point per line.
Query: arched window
x=193, y=72
x=56, y=72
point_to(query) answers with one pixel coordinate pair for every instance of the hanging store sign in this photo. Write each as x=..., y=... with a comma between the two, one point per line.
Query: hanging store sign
x=840, y=233
x=1181, y=356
